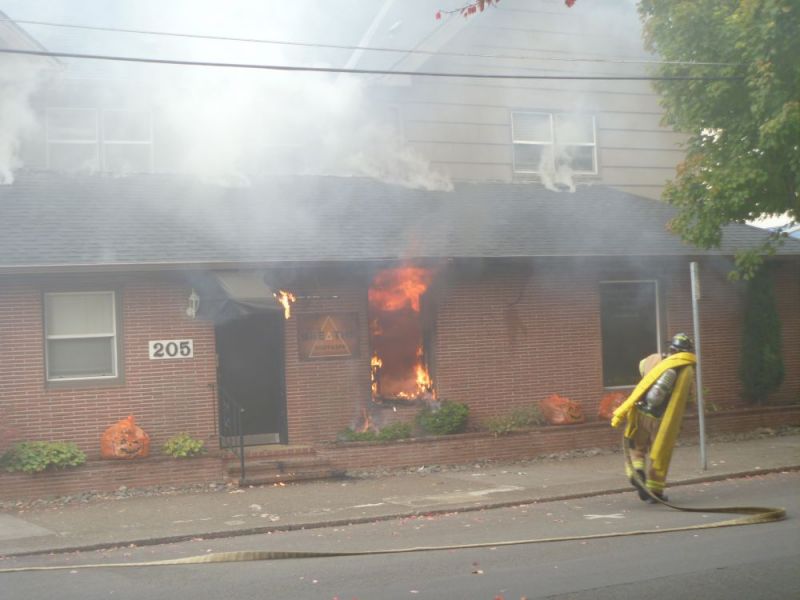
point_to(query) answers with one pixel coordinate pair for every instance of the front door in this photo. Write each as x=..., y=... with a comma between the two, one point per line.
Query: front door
x=251, y=362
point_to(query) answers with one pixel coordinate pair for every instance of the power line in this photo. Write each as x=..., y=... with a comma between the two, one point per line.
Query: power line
x=362, y=48
x=228, y=65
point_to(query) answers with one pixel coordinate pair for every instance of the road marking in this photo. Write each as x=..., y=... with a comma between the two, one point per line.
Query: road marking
x=610, y=516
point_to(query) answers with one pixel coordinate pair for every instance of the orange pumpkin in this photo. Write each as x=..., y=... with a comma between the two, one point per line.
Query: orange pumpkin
x=124, y=439
x=558, y=410
x=608, y=404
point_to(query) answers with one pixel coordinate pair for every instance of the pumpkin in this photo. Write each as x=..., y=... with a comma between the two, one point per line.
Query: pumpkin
x=124, y=439
x=608, y=404
x=558, y=410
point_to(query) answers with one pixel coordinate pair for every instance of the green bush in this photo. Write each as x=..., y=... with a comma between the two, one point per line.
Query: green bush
x=349, y=435
x=520, y=418
x=449, y=417
x=761, y=368
x=395, y=431
x=35, y=457
x=183, y=446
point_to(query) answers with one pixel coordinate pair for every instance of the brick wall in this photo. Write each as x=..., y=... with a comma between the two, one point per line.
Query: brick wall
x=470, y=447
x=324, y=396
x=509, y=337
x=505, y=337
x=108, y=476
x=165, y=396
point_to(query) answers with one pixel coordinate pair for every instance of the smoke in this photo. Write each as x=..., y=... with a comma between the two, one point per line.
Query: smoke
x=228, y=125
x=19, y=79
x=555, y=171
x=382, y=155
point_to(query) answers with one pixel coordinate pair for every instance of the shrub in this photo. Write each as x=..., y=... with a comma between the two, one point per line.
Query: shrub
x=520, y=418
x=761, y=368
x=183, y=446
x=35, y=457
x=349, y=435
x=449, y=417
x=395, y=431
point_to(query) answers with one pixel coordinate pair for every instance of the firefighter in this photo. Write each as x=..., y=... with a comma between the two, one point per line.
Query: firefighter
x=654, y=411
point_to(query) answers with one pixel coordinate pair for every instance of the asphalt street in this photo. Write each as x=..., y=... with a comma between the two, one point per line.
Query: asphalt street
x=757, y=561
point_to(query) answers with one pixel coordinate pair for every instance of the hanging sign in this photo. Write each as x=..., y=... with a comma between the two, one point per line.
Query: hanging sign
x=328, y=335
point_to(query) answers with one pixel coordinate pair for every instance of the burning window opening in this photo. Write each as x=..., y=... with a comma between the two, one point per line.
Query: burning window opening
x=399, y=366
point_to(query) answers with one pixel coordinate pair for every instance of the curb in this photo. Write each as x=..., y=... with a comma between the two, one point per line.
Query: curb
x=378, y=518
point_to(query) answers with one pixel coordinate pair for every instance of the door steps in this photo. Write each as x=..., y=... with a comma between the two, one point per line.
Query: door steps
x=273, y=464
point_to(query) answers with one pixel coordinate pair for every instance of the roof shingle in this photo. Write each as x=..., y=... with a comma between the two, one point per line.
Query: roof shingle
x=49, y=219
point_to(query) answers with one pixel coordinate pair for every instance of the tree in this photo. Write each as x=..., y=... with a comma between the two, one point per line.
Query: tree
x=742, y=115
x=761, y=368
x=743, y=152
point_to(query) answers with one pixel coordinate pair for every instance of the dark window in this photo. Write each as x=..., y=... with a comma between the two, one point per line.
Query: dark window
x=630, y=328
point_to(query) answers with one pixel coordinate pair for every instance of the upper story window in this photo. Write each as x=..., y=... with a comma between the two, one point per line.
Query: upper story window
x=550, y=141
x=88, y=139
x=80, y=335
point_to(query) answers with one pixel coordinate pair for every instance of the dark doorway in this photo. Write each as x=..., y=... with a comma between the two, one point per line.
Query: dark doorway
x=251, y=371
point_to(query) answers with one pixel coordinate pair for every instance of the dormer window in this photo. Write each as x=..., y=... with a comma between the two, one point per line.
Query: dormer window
x=89, y=139
x=546, y=142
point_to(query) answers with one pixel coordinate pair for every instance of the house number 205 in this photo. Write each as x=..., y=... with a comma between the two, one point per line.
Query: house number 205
x=171, y=349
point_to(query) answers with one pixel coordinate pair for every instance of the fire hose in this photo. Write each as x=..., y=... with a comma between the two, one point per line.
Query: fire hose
x=751, y=515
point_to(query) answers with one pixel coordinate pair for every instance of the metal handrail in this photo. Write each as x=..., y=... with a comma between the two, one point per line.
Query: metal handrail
x=230, y=427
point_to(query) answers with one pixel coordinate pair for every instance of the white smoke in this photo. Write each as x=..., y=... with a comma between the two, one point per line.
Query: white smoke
x=555, y=172
x=226, y=125
x=384, y=156
x=19, y=79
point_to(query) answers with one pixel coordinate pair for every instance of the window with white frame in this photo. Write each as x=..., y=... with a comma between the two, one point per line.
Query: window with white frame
x=80, y=335
x=549, y=141
x=88, y=139
x=630, y=328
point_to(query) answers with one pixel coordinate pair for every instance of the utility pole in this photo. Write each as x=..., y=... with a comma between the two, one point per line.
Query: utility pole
x=701, y=420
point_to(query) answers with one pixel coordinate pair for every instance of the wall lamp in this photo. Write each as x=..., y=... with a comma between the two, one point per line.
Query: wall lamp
x=194, y=304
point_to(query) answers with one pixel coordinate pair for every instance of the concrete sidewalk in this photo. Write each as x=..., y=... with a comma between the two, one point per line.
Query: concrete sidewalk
x=170, y=518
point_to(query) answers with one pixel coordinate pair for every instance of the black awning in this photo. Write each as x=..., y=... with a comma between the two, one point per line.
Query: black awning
x=236, y=294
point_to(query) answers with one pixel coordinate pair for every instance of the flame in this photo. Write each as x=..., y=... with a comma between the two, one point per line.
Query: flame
x=394, y=289
x=398, y=366
x=375, y=364
x=424, y=382
x=366, y=423
x=286, y=299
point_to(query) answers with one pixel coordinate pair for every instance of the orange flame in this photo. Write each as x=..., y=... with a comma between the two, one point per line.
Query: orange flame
x=375, y=364
x=393, y=289
x=286, y=299
x=366, y=424
x=398, y=367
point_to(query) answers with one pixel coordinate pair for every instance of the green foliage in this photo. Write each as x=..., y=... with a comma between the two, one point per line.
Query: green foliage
x=520, y=418
x=395, y=431
x=35, y=457
x=743, y=156
x=349, y=435
x=761, y=368
x=183, y=446
x=449, y=417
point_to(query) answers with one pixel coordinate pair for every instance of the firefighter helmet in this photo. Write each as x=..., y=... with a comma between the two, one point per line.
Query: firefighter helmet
x=681, y=343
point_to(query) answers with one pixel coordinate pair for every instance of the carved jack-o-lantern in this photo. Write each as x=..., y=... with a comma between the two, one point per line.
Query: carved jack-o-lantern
x=124, y=439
